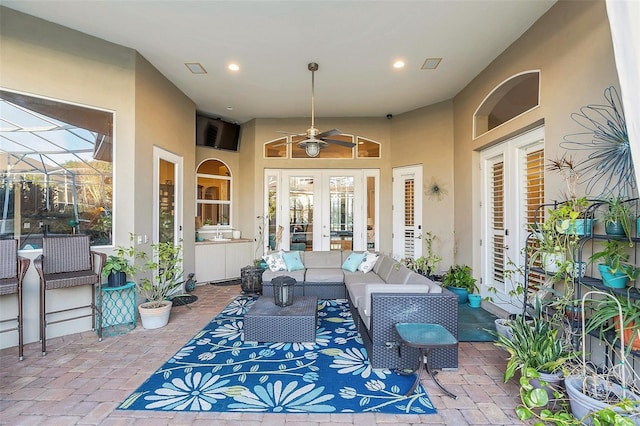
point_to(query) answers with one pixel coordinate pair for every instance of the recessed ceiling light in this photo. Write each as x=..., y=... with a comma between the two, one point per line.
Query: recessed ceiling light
x=234, y=67
x=398, y=64
x=431, y=63
x=230, y=108
x=195, y=68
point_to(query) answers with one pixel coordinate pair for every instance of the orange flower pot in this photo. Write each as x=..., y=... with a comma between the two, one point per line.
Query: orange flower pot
x=628, y=333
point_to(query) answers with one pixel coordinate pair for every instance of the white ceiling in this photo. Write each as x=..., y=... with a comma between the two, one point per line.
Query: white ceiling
x=354, y=42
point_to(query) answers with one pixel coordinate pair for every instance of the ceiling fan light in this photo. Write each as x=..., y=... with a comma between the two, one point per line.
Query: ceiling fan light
x=312, y=149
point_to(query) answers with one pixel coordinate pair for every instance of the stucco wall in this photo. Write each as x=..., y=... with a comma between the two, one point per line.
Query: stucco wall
x=571, y=46
x=425, y=136
x=165, y=118
x=48, y=60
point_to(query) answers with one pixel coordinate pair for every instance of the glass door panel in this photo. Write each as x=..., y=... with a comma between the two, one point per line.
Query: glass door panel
x=341, y=193
x=321, y=209
x=301, y=196
x=166, y=202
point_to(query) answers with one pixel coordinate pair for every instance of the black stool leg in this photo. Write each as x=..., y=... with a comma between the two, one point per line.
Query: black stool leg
x=418, y=372
x=433, y=374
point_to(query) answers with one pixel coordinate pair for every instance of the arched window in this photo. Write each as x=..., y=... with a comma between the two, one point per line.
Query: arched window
x=213, y=189
x=276, y=148
x=367, y=148
x=513, y=97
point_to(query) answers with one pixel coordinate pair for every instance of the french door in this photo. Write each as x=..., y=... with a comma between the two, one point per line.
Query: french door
x=512, y=189
x=320, y=209
x=407, y=212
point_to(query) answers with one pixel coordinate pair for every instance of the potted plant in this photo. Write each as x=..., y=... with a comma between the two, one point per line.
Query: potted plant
x=617, y=218
x=557, y=236
x=431, y=260
x=116, y=268
x=165, y=268
x=615, y=270
x=604, y=319
x=535, y=343
x=590, y=392
x=459, y=280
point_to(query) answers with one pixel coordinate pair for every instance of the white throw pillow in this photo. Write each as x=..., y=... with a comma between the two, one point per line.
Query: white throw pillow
x=368, y=262
x=275, y=262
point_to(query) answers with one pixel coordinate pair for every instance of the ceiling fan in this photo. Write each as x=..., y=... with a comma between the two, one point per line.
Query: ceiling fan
x=316, y=140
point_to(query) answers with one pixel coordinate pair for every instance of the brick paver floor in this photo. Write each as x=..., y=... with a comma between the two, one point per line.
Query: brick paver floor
x=82, y=381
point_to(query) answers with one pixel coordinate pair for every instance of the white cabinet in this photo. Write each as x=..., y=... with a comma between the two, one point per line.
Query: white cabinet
x=238, y=255
x=221, y=261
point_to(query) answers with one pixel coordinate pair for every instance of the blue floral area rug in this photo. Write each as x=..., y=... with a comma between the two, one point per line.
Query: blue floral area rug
x=217, y=371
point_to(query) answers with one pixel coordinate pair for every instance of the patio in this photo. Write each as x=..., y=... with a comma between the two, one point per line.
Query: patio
x=81, y=380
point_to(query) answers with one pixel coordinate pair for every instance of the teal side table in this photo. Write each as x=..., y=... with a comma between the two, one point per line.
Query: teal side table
x=118, y=306
x=425, y=337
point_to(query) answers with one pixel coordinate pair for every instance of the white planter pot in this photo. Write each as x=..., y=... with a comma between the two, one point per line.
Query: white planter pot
x=153, y=318
x=551, y=261
x=503, y=327
x=582, y=405
x=553, y=382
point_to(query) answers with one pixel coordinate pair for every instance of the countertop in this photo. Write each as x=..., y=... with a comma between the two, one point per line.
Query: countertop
x=239, y=240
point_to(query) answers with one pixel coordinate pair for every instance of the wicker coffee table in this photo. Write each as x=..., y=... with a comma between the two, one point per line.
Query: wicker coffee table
x=296, y=323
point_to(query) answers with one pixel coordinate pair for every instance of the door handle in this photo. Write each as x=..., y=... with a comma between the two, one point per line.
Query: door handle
x=325, y=236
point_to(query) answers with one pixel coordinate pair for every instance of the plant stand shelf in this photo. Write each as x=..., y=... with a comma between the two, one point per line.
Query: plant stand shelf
x=118, y=305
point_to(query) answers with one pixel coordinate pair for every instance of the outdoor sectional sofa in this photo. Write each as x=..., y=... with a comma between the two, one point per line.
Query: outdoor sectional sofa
x=389, y=294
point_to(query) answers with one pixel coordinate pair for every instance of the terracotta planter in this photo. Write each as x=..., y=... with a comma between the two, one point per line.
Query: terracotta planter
x=628, y=334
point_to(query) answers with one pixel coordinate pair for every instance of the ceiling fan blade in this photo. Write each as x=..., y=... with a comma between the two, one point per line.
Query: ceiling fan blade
x=341, y=143
x=332, y=132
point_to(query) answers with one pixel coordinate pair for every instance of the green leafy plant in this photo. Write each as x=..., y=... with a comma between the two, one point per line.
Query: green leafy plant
x=115, y=264
x=619, y=211
x=460, y=276
x=614, y=256
x=534, y=344
x=557, y=236
x=605, y=317
x=535, y=404
x=165, y=268
x=432, y=259
x=155, y=278
x=123, y=260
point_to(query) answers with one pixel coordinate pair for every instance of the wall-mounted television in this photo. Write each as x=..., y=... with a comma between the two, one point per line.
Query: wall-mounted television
x=216, y=133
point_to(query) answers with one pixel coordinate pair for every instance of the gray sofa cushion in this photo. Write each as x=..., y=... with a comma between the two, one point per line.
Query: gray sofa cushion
x=361, y=278
x=421, y=279
x=324, y=275
x=322, y=259
x=399, y=274
x=356, y=293
x=383, y=267
x=268, y=275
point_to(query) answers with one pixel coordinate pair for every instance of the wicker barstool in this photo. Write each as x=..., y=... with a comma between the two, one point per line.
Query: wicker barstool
x=69, y=262
x=12, y=271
